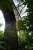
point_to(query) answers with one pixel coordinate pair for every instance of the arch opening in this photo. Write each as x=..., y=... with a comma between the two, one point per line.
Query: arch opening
x=2, y=24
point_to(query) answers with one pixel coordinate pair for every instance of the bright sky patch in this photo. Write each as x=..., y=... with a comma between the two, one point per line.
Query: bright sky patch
x=2, y=21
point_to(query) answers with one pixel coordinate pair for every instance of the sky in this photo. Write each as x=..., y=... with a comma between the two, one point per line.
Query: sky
x=2, y=21
x=23, y=13
x=16, y=2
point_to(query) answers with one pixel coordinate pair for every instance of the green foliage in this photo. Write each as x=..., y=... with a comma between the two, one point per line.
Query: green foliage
x=6, y=4
x=23, y=36
x=20, y=24
x=1, y=35
x=26, y=24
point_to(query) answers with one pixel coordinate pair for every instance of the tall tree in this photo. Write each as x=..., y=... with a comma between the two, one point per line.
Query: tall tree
x=29, y=21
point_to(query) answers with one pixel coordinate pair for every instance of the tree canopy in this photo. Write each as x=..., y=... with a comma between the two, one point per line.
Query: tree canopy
x=28, y=22
x=6, y=4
